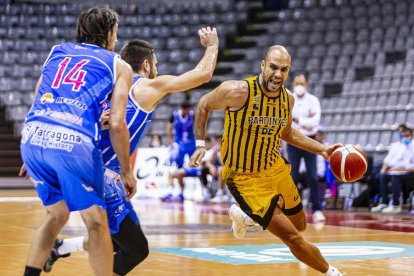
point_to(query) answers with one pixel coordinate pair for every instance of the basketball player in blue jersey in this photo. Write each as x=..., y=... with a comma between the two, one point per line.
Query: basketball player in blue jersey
x=147, y=90
x=182, y=122
x=61, y=133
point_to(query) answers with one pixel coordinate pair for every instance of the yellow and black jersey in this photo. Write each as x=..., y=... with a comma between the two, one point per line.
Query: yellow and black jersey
x=252, y=134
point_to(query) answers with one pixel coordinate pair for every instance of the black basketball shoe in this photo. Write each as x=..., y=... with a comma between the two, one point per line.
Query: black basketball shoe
x=54, y=255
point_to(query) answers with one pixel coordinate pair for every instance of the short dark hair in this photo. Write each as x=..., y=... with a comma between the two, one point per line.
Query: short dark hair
x=136, y=51
x=185, y=105
x=405, y=127
x=95, y=24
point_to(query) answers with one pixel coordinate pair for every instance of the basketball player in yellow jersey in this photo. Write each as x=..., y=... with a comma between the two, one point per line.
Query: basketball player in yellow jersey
x=257, y=116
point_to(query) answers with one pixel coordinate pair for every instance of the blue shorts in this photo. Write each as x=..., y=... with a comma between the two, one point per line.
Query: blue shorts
x=192, y=171
x=63, y=165
x=117, y=207
x=183, y=150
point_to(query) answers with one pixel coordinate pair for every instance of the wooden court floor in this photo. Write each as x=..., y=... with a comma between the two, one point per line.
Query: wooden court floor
x=181, y=227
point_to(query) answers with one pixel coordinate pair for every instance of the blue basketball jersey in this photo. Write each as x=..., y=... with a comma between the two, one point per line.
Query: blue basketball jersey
x=76, y=80
x=183, y=127
x=138, y=121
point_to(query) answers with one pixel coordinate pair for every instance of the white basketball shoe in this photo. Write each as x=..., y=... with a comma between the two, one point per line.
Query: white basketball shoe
x=240, y=221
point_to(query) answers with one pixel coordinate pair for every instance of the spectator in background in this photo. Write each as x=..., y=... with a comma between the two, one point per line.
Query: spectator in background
x=323, y=169
x=156, y=141
x=306, y=115
x=180, y=173
x=208, y=168
x=398, y=167
x=221, y=194
x=326, y=179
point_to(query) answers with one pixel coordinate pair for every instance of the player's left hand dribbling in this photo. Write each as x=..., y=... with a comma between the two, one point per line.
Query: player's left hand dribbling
x=195, y=159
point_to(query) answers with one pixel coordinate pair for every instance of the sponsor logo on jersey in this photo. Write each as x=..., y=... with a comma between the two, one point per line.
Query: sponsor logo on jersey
x=73, y=102
x=266, y=120
x=54, y=137
x=104, y=105
x=47, y=98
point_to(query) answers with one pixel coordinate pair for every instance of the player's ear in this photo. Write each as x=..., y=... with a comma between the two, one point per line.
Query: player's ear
x=146, y=65
x=262, y=64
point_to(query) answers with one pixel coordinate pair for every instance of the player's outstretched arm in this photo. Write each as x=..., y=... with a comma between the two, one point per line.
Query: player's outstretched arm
x=201, y=73
x=230, y=94
x=117, y=124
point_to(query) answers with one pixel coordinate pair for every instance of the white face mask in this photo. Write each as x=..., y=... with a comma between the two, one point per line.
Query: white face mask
x=155, y=144
x=299, y=90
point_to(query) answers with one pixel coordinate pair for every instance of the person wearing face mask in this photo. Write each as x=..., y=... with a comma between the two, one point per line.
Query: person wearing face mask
x=306, y=115
x=156, y=141
x=397, y=168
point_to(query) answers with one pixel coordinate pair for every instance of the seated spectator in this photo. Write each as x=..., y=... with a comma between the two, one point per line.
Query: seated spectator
x=156, y=141
x=221, y=195
x=185, y=171
x=398, y=166
x=324, y=174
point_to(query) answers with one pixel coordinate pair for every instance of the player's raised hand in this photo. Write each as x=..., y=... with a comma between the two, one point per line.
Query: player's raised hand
x=130, y=184
x=208, y=37
x=195, y=159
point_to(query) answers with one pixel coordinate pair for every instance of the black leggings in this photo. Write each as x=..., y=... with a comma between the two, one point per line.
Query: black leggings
x=203, y=177
x=130, y=245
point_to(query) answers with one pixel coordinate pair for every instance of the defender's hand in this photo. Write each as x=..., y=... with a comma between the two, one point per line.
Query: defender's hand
x=105, y=120
x=195, y=159
x=208, y=37
x=130, y=184
x=23, y=172
x=329, y=149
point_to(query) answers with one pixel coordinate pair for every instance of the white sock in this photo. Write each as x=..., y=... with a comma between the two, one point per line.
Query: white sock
x=71, y=245
x=332, y=271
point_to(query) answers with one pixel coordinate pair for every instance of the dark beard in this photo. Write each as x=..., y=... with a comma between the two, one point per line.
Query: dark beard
x=151, y=75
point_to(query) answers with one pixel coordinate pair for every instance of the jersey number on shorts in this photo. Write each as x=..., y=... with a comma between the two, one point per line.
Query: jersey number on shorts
x=75, y=76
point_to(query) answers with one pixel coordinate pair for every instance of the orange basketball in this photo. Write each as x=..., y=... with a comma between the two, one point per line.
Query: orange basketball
x=348, y=163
